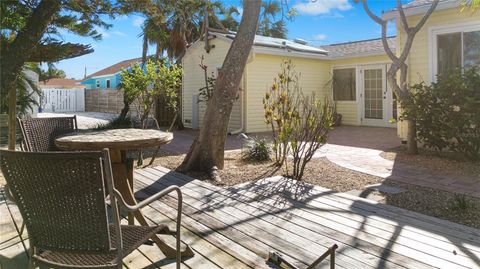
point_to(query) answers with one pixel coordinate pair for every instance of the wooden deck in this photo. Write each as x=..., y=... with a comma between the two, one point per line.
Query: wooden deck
x=236, y=227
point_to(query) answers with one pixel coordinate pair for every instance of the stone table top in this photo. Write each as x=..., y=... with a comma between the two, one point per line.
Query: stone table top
x=119, y=139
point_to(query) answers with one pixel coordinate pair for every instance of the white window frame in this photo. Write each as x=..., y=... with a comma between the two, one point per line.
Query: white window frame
x=97, y=84
x=434, y=31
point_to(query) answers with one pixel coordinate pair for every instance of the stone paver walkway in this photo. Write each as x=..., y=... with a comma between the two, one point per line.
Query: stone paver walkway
x=369, y=161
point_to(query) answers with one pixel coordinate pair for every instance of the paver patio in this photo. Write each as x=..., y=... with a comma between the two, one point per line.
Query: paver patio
x=236, y=227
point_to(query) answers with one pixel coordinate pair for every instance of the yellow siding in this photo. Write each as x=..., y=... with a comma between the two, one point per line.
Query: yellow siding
x=349, y=109
x=260, y=74
x=349, y=112
x=193, y=79
x=419, y=58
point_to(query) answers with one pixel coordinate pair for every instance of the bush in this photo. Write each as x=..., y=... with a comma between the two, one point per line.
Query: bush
x=447, y=113
x=256, y=149
x=299, y=123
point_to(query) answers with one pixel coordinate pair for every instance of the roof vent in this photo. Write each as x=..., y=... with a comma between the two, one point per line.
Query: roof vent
x=300, y=41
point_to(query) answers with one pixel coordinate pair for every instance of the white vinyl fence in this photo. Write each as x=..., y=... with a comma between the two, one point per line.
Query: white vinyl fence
x=63, y=100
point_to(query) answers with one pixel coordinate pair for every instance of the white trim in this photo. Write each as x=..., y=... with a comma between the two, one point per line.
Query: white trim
x=421, y=9
x=286, y=53
x=434, y=31
x=338, y=66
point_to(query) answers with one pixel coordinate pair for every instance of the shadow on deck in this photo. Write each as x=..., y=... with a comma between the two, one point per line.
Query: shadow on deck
x=236, y=227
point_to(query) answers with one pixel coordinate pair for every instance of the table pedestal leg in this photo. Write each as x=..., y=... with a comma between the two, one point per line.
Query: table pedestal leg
x=123, y=182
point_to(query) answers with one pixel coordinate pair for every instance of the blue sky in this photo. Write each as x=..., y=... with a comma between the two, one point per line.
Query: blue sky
x=319, y=22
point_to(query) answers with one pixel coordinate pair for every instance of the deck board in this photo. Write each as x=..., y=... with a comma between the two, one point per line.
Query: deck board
x=236, y=227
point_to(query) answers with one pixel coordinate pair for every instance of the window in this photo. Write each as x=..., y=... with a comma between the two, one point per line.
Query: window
x=108, y=84
x=344, y=84
x=457, y=50
x=97, y=83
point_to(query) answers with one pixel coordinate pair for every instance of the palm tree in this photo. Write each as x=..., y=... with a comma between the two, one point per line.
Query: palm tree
x=268, y=25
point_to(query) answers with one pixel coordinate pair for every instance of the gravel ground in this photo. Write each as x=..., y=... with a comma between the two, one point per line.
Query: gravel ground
x=452, y=164
x=436, y=203
x=319, y=171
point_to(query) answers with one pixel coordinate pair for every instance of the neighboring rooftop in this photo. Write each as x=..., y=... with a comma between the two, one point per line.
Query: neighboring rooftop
x=359, y=48
x=113, y=69
x=60, y=83
x=420, y=7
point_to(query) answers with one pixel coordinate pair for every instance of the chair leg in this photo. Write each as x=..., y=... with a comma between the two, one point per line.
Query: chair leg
x=19, y=231
x=31, y=263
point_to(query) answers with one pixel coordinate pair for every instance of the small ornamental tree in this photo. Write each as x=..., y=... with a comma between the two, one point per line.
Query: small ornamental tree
x=150, y=82
x=299, y=123
x=147, y=84
x=279, y=109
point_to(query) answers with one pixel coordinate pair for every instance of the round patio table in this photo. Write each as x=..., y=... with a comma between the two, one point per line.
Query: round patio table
x=119, y=141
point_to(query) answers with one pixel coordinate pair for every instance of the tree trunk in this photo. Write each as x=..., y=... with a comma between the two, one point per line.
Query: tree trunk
x=19, y=52
x=12, y=122
x=125, y=109
x=412, y=146
x=208, y=147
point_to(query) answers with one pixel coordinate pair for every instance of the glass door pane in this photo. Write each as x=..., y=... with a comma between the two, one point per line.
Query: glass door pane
x=373, y=86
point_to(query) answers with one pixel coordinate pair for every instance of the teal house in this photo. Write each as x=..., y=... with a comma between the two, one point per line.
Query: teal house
x=108, y=78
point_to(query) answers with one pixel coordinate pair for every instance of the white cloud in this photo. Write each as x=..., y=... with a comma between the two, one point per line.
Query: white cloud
x=118, y=33
x=318, y=7
x=319, y=37
x=137, y=21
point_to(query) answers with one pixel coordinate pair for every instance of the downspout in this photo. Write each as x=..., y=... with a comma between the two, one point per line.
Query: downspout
x=244, y=95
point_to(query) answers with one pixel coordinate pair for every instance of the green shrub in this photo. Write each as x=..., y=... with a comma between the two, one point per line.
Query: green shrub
x=461, y=202
x=447, y=113
x=256, y=149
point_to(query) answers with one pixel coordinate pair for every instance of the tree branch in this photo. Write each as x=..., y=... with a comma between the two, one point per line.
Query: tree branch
x=403, y=18
x=57, y=51
x=383, y=24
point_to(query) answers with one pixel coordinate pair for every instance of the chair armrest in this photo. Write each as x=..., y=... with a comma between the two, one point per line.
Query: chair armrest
x=149, y=200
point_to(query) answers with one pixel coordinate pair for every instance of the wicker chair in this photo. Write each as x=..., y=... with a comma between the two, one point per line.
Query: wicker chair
x=39, y=133
x=61, y=197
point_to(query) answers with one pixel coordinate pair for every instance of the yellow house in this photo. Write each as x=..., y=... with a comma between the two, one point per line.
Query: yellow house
x=450, y=38
x=353, y=73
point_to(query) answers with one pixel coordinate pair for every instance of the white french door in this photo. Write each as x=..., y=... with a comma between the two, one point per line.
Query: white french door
x=376, y=100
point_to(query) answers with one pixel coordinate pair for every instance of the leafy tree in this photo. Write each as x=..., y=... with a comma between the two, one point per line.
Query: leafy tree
x=399, y=59
x=171, y=25
x=146, y=83
x=228, y=21
x=30, y=33
x=272, y=20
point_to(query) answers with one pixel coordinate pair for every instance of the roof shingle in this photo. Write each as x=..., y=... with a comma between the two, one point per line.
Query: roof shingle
x=359, y=48
x=115, y=68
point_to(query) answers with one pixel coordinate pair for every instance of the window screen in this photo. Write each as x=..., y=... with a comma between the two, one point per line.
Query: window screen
x=344, y=84
x=471, y=49
x=449, y=52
